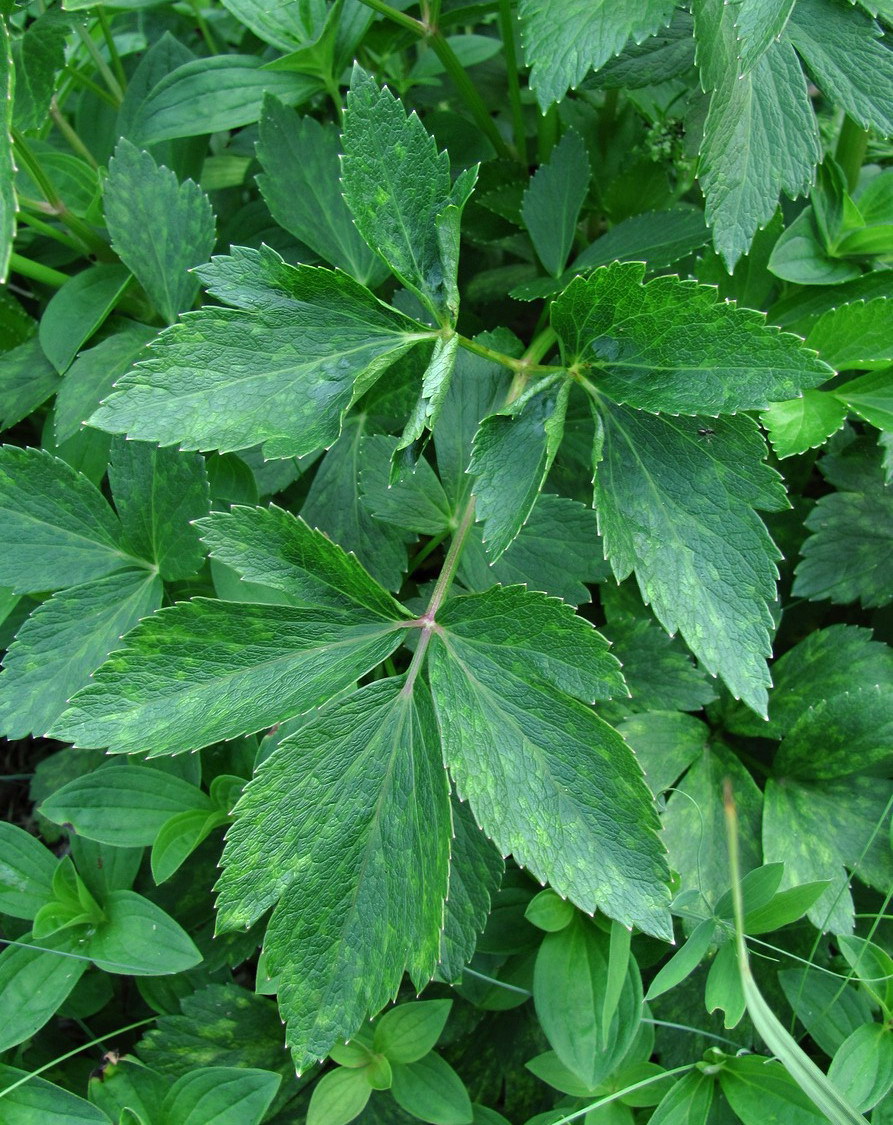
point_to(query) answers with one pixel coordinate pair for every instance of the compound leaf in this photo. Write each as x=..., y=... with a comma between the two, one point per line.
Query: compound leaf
x=675, y=505
x=159, y=227
x=565, y=39
x=204, y=670
x=547, y=779
x=280, y=370
x=57, y=526
x=670, y=346
x=347, y=824
x=63, y=641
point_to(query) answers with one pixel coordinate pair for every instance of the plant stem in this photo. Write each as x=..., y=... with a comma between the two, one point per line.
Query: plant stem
x=469, y=93
x=46, y=275
x=88, y=83
x=429, y=549
x=48, y=231
x=74, y=141
x=112, y=49
x=430, y=13
x=507, y=29
x=852, y=142
x=101, y=65
x=413, y=25
x=204, y=27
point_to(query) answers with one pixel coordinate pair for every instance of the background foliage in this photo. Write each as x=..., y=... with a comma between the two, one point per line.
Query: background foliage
x=446, y=525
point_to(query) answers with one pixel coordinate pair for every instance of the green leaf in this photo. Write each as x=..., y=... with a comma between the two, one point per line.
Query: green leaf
x=369, y=828
x=848, y=556
x=397, y=187
x=7, y=162
x=431, y=1090
x=761, y=1092
x=666, y=744
x=843, y=51
x=26, y=872
x=551, y=204
x=871, y=397
x=220, y=1096
x=286, y=26
x=301, y=186
x=435, y=387
x=63, y=530
x=336, y=505
x=548, y=911
x=513, y=452
x=569, y=984
x=553, y=553
x=564, y=39
x=760, y=136
x=676, y=506
x=159, y=227
x=416, y=502
x=670, y=346
x=338, y=1097
x=178, y=838
x=158, y=494
x=204, y=670
x=803, y=423
x=63, y=641
x=723, y=990
x=849, y=733
x=578, y=812
x=476, y=869
x=92, y=376
x=76, y=310
x=862, y=1068
x=828, y=1008
x=785, y=907
x=685, y=960
x=694, y=823
x=855, y=335
x=409, y=1031
x=127, y=1086
x=35, y=982
x=38, y=1102
x=758, y=23
x=211, y=94
x=139, y=939
x=281, y=370
x=819, y=828
x=27, y=380
x=124, y=805
x=688, y=1102
x=272, y=546
x=800, y=256
x=38, y=55
x=872, y=966
x=657, y=237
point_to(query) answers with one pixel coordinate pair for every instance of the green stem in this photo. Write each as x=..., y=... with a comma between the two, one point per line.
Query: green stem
x=429, y=549
x=413, y=25
x=587, y=1109
x=438, y=596
x=112, y=50
x=507, y=30
x=48, y=231
x=46, y=275
x=90, y=85
x=430, y=13
x=204, y=27
x=468, y=92
x=482, y=350
x=32, y=166
x=852, y=141
x=101, y=65
x=74, y=141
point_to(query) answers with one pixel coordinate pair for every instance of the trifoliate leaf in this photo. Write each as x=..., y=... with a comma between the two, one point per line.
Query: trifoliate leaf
x=556, y=552
x=397, y=187
x=349, y=822
x=513, y=452
x=280, y=370
x=159, y=227
x=158, y=493
x=844, y=52
x=803, y=423
x=63, y=641
x=849, y=554
x=676, y=506
x=476, y=869
x=301, y=186
x=552, y=202
x=565, y=39
x=760, y=136
x=56, y=527
x=547, y=779
x=334, y=504
x=670, y=346
x=203, y=671
x=821, y=830
x=271, y=546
